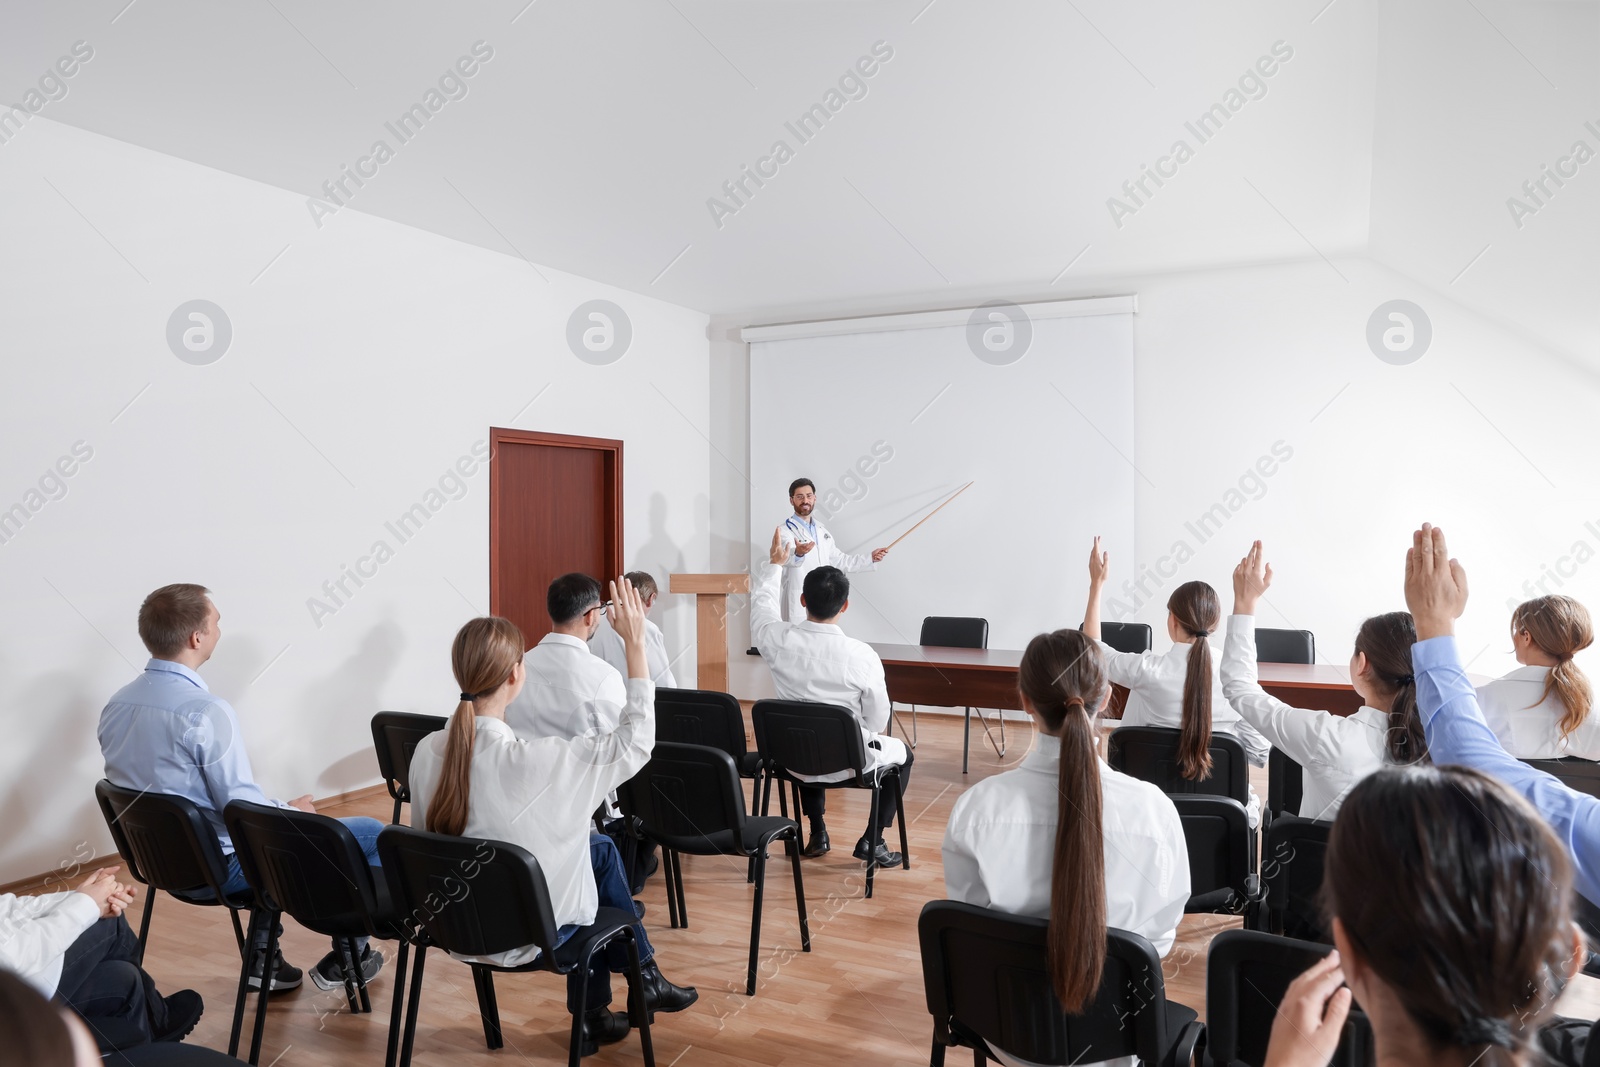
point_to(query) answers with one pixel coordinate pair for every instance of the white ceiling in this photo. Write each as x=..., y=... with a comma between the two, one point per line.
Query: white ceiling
x=979, y=161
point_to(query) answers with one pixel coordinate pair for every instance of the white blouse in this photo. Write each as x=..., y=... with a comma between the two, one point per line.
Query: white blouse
x=999, y=848
x=1528, y=727
x=540, y=794
x=1336, y=752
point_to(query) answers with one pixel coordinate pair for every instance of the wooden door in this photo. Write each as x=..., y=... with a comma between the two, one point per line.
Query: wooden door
x=555, y=506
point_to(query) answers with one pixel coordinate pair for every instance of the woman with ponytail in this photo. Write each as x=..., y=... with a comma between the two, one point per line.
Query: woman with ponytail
x=1336, y=752
x=1065, y=837
x=475, y=778
x=1180, y=687
x=1541, y=710
x=1450, y=901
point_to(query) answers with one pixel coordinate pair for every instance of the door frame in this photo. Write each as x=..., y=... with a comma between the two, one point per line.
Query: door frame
x=613, y=473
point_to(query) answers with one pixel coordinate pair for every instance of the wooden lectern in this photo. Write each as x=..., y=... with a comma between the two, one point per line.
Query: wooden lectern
x=711, y=622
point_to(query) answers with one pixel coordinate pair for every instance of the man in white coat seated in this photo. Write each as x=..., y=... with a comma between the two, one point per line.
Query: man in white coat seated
x=814, y=660
x=811, y=546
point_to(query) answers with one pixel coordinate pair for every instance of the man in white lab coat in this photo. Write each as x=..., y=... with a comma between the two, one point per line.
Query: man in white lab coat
x=814, y=660
x=811, y=546
x=608, y=646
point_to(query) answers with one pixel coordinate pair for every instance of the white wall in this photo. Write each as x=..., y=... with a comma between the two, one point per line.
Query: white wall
x=364, y=362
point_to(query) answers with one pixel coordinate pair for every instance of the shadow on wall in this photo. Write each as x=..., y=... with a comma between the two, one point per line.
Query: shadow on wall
x=662, y=557
x=349, y=697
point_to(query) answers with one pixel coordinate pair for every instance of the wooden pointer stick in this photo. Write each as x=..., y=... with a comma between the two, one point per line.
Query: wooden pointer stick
x=930, y=515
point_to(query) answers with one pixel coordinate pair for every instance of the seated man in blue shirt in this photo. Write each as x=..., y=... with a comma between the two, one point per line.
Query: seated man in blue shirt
x=164, y=732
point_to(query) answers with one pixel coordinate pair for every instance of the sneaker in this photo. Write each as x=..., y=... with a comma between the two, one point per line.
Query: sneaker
x=327, y=974
x=285, y=977
x=184, y=1009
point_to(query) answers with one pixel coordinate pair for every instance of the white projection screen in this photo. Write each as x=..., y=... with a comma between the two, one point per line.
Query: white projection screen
x=889, y=423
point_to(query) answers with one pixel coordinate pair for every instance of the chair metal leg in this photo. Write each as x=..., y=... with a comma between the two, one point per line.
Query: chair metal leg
x=677, y=881
x=399, y=1001
x=936, y=1057
x=233, y=913
x=144, y=926
x=755, y=922
x=800, y=896
x=269, y=970
x=873, y=837
x=348, y=972
x=966, y=738
x=244, y=985
x=575, y=1046
x=783, y=802
x=895, y=717
x=413, y=1001
x=636, y=1004
x=999, y=749
x=766, y=793
x=488, y=1009
x=668, y=858
x=900, y=817
x=396, y=819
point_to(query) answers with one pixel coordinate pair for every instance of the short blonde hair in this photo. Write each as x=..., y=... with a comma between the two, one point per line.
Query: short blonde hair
x=644, y=582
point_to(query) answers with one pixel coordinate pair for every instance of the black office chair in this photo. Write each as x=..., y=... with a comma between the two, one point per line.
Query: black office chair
x=707, y=717
x=1128, y=636
x=1285, y=646
x=1291, y=878
x=1222, y=874
x=688, y=800
x=1285, y=787
x=395, y=735
x=955, y=631
x=309, y=867
x=1247, y=974
x=986, y=976
x=1580, y=774
x=801, y=737
x=169, y=845
x=482, y=898
x=1150, y=753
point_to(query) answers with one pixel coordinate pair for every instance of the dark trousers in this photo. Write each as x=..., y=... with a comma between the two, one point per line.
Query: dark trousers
x=611, y=885
x=814, y=799
x=100, y=980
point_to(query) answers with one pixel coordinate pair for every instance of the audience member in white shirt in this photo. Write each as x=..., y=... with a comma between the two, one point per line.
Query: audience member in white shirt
x=608, y=646
x=1178, y=688
x=1335, y=751
x=1066, y=838
x=814, y=660
x=476, y=778
x=570, y=691
x=77, y=946
x=1541, y=709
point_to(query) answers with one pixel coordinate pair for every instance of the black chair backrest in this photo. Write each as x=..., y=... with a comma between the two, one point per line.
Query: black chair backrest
x=987, y=974
x=1150, y=753
x=168, y=843
x=802, y=737
x=954, y=631
x=305, y=865
x=1291, y=874
x=1247, y=973
x=1128, y=636
x=700, y=717
x=471, y=896
x=685, y=794
x=1217, y=833
x=1285, y=784
x=1580, y=774
x=1285, y=646
x=395, y=735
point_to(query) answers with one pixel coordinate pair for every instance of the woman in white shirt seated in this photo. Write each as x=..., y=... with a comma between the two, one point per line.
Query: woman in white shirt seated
x=1178, y=688
x=1064, y=837
x=475, y=778
x=1335, y=751
x=1541, y=709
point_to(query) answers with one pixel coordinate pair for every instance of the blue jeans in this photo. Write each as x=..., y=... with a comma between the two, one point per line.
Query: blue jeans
x=611, y=885
x=366, y=834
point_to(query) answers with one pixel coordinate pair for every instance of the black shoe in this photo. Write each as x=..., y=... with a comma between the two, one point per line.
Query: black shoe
x=327, y=974
x=602, y=1026
x=184, y=1009
x=285, y=977
x=817, y=844
x=882, y=857
x=652, y=864
x=662, y=995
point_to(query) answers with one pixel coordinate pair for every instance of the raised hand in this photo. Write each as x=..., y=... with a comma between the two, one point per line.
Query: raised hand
x=779, y=553
x=1099, y=564
x=1305, y=1032
x=627, y=618
x=1251, y=578
x=1436, y=585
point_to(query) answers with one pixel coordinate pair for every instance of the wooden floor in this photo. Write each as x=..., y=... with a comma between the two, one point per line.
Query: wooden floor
x=855, y=998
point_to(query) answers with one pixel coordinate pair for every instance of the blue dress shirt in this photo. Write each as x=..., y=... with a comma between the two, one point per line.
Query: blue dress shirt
x=164, y=732
x=1457, y=733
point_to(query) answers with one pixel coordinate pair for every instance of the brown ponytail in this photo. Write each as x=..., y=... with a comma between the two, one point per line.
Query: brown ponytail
x=485, y=652
x=1560, y=627
x=1386, y=641
x=1196, y=607
x=1063, y=678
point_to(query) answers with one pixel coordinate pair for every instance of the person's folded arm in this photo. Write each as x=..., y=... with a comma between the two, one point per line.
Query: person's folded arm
x=35, y=932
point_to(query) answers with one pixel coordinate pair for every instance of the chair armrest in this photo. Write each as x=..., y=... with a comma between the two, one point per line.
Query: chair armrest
x=1189, y=1049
